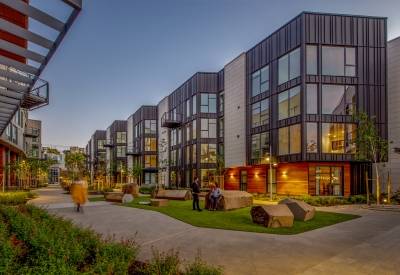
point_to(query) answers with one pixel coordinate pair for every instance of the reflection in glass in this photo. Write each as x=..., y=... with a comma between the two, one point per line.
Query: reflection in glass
x=283, y=135
x=312, y=99
x=351, y=56
x=332, y=60
x=256, y=83
x=312, y=137
x=188, y=155
x=194, y=152
x=264, y=146
x=338, y=99
x=194, y=104
x=283, y=69
x=294, y=101
x=295, y=139
x=350, y=148
x=328, y=181
x=255, y=146
x=255, y=115
x=265, y=111
x=264, y=79
x=312, y=60
x=294, y=64
x=283, y=105
x=194, y=126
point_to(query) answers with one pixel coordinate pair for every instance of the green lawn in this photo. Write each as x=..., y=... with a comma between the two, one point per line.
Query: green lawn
x=96, y=199
x=239, y=220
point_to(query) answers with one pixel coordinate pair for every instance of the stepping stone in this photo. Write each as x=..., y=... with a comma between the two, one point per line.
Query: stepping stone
x=144, y=202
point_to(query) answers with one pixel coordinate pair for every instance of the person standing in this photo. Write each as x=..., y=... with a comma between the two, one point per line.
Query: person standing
x=196, y=192
x=217, y=193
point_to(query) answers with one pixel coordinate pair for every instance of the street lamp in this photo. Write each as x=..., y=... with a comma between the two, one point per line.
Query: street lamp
x=121, y=175
x=270, y=173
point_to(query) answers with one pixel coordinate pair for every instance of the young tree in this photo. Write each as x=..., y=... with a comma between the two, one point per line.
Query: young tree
x=370, y=146
x=163, y=162
x=135, y=171
x=220, y=169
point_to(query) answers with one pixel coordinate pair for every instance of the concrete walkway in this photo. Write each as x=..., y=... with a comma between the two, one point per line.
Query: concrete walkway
x=370, y=244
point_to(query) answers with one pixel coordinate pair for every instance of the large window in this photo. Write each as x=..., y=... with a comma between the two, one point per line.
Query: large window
x=9, y=132
x=173, y=137
x=312, y=137
x=150, y=144
x=208, y=128
x=208, y=152
x=137, y=130
x=221, y=149
x=312, y=59
x=338, y=99
x=121, y=150
x=338, y=61
x=328, y=181
x=188, y=155
x=150, y=161
x=260, y=146
x=221, y=127
x=188, y=108
x=15, y=135
x=178, y=157
x=208, y=103
x=207, y=177
x=221, y=101
x=121, y=137
x=289, y=66
x=188, y=131
x=194, y=151
x=172, y=158
x=312, y=99
x=289, y=103
x=194, y=103
x=35, y=151
x=150, y=126
x=260, y=113
x=179, y=132
x=149, y=178
x=100, y=144
x=289, y=140
x=260, y=81
x=194, y=126
x=337, y=137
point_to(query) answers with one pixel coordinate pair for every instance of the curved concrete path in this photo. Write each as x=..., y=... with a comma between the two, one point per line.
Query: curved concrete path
x=368, y=245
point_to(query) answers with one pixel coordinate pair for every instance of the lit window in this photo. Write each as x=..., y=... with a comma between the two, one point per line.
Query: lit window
x=289, y=66
x=208, y=152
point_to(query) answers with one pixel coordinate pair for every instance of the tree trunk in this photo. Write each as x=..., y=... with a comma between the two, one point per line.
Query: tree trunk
x=378, y=187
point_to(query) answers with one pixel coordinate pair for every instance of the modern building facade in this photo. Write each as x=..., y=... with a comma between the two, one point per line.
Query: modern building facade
x=21, y=89
x=285, y=104
x=115, y=144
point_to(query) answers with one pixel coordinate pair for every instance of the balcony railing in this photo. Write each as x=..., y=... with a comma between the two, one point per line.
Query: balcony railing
x=38, y=96
x=132, y=150
x=32, y=132
x=108, y=143
x=171, y=120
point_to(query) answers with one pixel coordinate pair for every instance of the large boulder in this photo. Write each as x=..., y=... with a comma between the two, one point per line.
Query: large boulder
x=301, y=210
x=114, y=196
x=182, y=195
x=131, y=188
x=272, y=216
x=230, y=200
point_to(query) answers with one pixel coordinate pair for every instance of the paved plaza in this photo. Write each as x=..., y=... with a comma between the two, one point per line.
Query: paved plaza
x=368, y=245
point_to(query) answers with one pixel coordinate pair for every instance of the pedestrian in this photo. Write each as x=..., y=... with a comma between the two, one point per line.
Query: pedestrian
x=196, y=192
x=79, y=193
x=211, y=198
x=217, y=194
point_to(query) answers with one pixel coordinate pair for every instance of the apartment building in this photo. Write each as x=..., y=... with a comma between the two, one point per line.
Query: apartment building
x=279, y=114
x=115, y=144
x=21, y=89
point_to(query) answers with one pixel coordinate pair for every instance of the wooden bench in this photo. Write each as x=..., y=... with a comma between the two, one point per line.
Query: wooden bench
x=159, y=202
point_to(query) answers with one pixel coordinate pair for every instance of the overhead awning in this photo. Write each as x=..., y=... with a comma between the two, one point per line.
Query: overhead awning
x=20, y=85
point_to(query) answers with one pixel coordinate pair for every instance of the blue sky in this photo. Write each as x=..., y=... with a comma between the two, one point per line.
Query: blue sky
x=122, y=54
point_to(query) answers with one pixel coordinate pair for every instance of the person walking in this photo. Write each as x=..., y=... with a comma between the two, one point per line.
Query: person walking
x=196, y=192
x=79, y=193
x=217, y=194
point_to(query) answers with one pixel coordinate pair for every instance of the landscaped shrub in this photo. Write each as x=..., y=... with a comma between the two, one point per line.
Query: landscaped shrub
x=107, y=189
x=15, y=198
x=90, y=187
x=33, y=241
x=42, y=185
x=146, y=190
x=170, y=263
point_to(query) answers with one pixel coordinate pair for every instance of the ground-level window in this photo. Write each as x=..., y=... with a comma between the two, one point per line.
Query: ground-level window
x=328, y=181
x=207, y=177
x=149, y=178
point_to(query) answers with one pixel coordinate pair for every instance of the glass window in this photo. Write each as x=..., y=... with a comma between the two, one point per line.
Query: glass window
x=208, y=153
x=208, y=103
x=255, y=115
x=289, y=103
x=15, y=135
x=295, y=139
x=260, y=81
x=150, y=144
x=260, y=113
x=9, y=132
x=188, y=155
x=187, y=131
x=338, y=61
x=121, y=137
x=336, y=138
x=312, y=99
x=264, y=112
x=289, y=66
x=283, y=135
x=312, y=137
x=221, y=101
x=194, y=151
x=207, y=177
x=255, y=146
x=221, y=149
x=178, y=157
x=173, y=137
x=121, y=150
x=312, y=60
x=188, y=108
x=172, y=158
x=194, y=129
x=150, y=161
x=260, y=146
x=179, y=133
x=221, y=127
x=338, y=99
x=35, y=151
x=150, y=126
x=208, y=128
x=100, y=144
x=194, y=104
x=149, y=178
x=173, y=178
x=328, y=181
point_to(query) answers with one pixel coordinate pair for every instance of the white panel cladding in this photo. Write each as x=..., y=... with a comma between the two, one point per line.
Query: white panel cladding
x=393, y=116
x=163, y=107
x=129, y=140
x=235, y=112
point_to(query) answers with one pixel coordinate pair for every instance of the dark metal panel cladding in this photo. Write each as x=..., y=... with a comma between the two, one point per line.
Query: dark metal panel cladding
x=221, y=77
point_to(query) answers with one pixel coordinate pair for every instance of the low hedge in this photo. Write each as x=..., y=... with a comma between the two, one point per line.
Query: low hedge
x=15, y=198
x=146, y=190
x=34, y=241
x=42, y=185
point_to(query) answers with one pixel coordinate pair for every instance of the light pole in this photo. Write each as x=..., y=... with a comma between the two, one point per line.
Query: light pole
x=121, y=175
x=270, y=173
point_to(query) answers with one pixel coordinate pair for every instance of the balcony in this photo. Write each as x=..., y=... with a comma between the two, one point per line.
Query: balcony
x=32, y=132
x=38, y=96
x=171, y=120
x=108, y=143
x=132, y=151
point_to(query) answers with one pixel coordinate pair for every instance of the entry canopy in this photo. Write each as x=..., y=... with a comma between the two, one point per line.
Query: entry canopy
x=20, y=85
